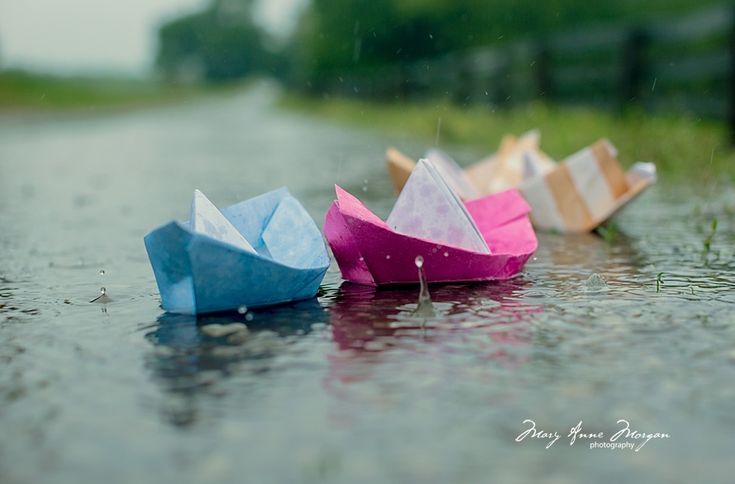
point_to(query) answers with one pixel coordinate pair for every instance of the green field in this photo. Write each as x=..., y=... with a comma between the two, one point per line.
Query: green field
x=23, y=91
x=682, y=147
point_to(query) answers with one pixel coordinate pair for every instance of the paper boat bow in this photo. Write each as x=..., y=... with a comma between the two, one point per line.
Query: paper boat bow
x=370, y=252
x=196, y=273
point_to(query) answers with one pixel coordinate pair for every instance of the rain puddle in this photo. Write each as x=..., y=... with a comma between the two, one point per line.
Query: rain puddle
x=427, y=383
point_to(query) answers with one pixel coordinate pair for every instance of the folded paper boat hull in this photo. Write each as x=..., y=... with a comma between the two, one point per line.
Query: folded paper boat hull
x=197, y=274
x=369, y=252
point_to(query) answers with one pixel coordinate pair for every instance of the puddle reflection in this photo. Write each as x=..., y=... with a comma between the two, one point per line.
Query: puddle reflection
x=195, y=356
x=369, y=319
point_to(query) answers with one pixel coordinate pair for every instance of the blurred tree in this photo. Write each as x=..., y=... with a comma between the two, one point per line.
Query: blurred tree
x=219, y=44
x=337, y=37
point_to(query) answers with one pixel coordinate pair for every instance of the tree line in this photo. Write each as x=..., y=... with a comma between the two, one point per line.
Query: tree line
x=340, y=37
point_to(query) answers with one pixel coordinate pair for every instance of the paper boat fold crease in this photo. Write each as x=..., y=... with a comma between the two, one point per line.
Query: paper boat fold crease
x=197, y=273
x=370, y=252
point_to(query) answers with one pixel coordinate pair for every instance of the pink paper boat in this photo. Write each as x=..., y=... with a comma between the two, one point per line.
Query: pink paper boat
x=369, y=252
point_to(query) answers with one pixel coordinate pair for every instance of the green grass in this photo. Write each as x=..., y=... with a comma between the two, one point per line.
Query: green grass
x=23, y=91
x=682, y=147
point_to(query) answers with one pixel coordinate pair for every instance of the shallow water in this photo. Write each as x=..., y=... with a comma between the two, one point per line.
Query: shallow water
x=351, y=386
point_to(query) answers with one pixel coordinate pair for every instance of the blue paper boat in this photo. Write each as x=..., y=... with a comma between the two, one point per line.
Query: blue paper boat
x=197, y=273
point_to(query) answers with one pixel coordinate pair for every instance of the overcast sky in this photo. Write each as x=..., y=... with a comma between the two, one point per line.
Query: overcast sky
x=117, y=36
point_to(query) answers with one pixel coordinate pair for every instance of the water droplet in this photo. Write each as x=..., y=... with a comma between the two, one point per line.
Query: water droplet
x=102, y=272
x=387, y=256
x=424, y=307
x=242, y=309
x=446, y=254
x=249, y=317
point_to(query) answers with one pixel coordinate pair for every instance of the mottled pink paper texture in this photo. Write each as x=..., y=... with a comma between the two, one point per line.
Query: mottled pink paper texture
x=369, y=252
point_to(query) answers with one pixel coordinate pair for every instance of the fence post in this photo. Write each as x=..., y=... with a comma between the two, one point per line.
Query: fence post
x=731, y=94
x=542, y=71
x=633, y=66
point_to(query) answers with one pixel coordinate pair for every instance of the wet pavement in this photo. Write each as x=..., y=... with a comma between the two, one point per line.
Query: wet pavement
x=351, y=386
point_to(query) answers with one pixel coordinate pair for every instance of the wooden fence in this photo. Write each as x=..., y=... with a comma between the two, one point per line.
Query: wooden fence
x=685, y=65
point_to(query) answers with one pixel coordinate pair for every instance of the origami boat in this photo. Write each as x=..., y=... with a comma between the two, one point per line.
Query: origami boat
x=259, y=252
x=585, y=190
x=576, y=195
x=371, y=252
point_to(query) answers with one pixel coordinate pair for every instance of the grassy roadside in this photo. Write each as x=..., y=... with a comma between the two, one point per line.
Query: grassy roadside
x=682, y=147
x=23, y=91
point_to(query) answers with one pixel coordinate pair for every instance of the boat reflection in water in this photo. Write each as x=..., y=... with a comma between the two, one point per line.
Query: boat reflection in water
x=371, y=326
x=194, y=358
x=375, y=334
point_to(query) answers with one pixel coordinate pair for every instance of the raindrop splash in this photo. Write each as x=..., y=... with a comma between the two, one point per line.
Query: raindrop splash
x=425, y=307
x=103, y=298
x=595, y=283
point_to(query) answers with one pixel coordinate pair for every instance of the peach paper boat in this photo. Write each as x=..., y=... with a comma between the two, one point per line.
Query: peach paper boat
x=370, y=252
